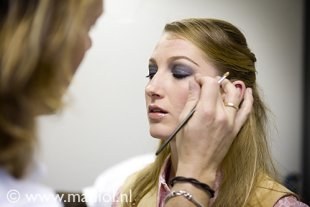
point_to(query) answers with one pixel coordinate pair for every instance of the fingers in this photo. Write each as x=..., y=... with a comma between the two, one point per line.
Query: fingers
x=205, y=93
x=210, y=94
x=231, y=96
x=215, y=102
x=192, y=99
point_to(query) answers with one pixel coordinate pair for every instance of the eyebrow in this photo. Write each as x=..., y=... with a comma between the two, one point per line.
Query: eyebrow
x=152, y=60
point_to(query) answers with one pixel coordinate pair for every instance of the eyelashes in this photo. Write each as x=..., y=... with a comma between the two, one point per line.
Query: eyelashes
x=152, y=71
x=150, y=76
x=178, y=71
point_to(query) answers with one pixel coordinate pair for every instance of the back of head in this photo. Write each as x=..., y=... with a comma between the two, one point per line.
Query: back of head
x=37, y=45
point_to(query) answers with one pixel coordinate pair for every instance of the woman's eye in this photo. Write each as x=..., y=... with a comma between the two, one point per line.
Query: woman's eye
x=152, y=72
x=150, y=75
x=180, y=71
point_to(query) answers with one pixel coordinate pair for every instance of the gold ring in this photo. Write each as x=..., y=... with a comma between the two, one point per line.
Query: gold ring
x=229, y=104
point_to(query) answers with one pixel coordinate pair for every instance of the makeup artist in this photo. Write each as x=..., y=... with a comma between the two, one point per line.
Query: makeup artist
x=42, y=42
x=221, y=156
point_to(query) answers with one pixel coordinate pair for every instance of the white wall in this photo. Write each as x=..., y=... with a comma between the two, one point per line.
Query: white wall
x=105, y=120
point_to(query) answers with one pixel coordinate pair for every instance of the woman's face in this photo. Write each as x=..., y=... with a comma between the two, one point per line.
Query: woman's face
x=171, y=66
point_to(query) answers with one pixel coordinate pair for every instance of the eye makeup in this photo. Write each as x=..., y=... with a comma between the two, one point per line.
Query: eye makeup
x=180, y=71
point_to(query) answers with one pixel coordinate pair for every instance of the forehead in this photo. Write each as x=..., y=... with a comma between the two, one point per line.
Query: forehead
x=171, y=41
x=171, y=45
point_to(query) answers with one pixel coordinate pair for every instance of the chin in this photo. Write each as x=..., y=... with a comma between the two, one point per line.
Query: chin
x=161, y=130
x=159, y=134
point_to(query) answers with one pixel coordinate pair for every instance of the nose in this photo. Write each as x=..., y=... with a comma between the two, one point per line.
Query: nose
x=154, y=88
x=88, y=43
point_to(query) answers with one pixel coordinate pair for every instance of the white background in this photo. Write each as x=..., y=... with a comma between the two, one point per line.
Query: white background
x=105, y=118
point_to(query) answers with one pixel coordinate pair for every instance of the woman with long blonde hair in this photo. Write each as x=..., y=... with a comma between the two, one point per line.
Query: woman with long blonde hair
x=42, y=42
x=235, y=161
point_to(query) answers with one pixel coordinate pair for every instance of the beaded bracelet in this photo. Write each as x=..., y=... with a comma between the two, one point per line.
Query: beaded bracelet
x=183, y=193
x=194, y=182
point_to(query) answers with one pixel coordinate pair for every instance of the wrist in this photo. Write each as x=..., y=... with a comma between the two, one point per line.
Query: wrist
x=198, y=195
x=207, y=176
x=196, y=183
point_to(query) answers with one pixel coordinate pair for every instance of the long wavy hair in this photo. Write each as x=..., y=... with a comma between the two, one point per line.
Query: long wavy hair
x=37, y=42
x=249, y=156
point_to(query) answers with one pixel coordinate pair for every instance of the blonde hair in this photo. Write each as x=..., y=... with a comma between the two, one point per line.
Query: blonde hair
x=249, y=157
x=37, y=41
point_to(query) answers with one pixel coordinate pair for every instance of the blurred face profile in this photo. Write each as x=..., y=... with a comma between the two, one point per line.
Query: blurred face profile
x=85, y=42
x=172, y=65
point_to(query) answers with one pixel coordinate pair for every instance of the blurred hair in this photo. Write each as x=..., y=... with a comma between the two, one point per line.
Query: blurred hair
x=37, y=42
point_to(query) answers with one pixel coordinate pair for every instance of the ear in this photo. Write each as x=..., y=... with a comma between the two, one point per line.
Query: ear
x=241, y=88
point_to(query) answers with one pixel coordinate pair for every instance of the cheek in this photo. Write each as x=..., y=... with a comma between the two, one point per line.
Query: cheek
x=179, y=98
x=146, y=96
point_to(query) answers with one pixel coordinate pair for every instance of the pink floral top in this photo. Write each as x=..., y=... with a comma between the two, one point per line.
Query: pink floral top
x=164, y=190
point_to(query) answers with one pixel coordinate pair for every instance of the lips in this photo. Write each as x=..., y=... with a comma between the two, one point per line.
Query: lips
x=156, y=114
x=156, y=109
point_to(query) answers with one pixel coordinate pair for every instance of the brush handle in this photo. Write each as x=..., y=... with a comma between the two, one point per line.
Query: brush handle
x=176, y=131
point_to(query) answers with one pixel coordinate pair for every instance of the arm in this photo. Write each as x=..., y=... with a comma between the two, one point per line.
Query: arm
x=205, y=140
